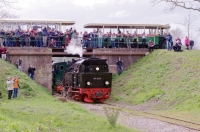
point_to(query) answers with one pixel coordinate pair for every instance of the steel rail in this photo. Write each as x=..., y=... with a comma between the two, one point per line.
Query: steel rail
x=166, y=117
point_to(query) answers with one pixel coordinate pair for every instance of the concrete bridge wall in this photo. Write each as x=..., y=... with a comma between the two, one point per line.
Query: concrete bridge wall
x=128, y=59
x=41, y=58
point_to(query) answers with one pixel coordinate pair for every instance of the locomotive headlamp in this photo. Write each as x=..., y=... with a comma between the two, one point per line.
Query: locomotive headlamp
x=88, y=83
x=97, y=68
x=107, y=83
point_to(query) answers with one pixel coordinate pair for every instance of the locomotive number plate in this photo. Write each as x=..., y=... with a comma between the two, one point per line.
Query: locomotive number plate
x=96, y=78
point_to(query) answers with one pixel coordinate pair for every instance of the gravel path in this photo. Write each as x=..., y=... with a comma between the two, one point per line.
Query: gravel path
x=141, y=123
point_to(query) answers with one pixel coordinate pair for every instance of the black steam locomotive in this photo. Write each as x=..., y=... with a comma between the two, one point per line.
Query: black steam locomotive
x=83, y=79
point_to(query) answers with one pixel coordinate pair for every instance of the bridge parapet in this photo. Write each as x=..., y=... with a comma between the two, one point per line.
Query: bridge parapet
x=135, y=50
x=129, y=56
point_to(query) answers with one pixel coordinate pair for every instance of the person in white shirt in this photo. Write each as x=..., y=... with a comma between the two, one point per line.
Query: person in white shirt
x=100, y=37
x=128, y=40
x=135, y=37
x=113, y=37
x=9, y=83
x=144, y=40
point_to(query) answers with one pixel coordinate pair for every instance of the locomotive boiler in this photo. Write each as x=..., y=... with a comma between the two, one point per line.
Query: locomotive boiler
x=83, y=79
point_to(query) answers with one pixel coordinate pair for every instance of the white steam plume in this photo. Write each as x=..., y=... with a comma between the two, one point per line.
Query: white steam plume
x=75, y=47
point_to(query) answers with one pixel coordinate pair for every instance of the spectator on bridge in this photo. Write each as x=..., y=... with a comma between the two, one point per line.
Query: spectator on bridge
x=10, y=83
x=22, y=39
x=117, y=40
x=119, y=65
x=32, y=38
x=52, y=43
x=19, y=64
x=151, y=46
x=144, y=40
x=113, y=37
x=67, y=37
x=90, y=36
x=135, y=38
x=38, y=39
x=187, y=43
x=74, y=34
x=44, y=37
x=106, y=40
x=3, y=52
x=100, y=37
x=128, y=40
x=94, y=33
x=121, y=40
x=16, y=37
x=27, y=38
x=85, y=39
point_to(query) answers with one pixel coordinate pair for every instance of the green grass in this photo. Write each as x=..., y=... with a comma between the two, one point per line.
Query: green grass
x=170, y=80
x=36, y=110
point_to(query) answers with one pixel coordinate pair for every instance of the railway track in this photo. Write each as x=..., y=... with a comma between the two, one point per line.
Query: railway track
x=187, y=124
x=179, y=122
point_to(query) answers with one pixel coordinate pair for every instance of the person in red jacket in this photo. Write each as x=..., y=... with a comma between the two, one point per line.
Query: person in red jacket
x=3, y=52
x=187, y=42
x=0, y=52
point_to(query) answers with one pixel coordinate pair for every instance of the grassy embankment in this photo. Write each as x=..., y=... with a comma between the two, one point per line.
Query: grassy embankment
x=36, y=110
x=166, y=82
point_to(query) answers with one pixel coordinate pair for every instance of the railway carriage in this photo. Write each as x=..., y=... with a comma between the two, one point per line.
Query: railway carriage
x=154, y=32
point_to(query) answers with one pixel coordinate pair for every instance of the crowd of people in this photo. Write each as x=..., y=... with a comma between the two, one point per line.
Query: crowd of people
x=47, y=37
x=189, y=44
x=13, y=83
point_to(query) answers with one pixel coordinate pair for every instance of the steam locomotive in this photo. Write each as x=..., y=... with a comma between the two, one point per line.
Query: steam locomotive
x=83, y=79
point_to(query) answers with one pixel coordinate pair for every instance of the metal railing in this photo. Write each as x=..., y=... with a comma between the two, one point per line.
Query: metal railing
x=62, y=41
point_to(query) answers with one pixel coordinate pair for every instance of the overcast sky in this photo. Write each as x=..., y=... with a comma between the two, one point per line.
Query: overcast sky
x=100, y=11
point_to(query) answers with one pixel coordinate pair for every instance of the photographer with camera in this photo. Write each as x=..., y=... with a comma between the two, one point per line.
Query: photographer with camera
x=31, y=71
x=15, y=86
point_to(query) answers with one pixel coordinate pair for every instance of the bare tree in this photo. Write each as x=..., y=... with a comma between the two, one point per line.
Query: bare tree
x=186, y=4
x=5, y=6
x=176, y=33
x=188, y=22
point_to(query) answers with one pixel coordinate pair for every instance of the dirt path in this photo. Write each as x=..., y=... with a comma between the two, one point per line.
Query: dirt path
x=137, y=122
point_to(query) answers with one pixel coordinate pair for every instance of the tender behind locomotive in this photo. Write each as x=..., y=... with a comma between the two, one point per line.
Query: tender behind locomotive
x=86, y=79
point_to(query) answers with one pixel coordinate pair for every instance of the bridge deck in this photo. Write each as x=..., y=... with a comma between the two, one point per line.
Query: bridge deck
x=94, y=52
x=84, y=54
